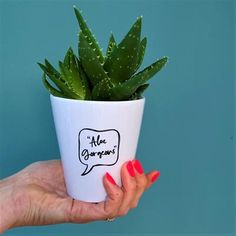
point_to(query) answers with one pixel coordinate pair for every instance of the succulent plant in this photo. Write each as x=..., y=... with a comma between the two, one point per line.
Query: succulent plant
x=94, y=76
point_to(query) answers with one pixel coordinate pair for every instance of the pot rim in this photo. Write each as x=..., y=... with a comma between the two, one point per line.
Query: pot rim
x=98, y=102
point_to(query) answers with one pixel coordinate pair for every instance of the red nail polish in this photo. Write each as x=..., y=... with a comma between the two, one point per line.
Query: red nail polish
x=110, y=179
x=138, y=166
x=130, y=169
x=155, y=176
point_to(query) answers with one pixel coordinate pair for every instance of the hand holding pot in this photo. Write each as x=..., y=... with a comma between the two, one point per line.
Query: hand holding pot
x=37, y=196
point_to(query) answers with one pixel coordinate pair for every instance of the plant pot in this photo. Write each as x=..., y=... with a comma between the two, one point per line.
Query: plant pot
x=95, y=137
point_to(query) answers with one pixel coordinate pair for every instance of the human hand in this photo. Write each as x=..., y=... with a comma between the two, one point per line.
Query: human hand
x=37, y=196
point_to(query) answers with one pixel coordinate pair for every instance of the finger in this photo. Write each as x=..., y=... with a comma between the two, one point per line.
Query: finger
x=128, y=186
x=114, y=197
x=141, y=182
x=82, y=212
x=152, y=177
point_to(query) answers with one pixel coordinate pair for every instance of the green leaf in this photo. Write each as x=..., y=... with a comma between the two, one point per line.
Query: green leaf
x=61, y=85
x=71, y=82
x=89, y=36
x=84, y=80
x=141, y=52
x=90, y=61
x=138, y=93
x=67, y=57
x=122, y=61
x=101, y=91
x=126, y=89
x=70, y=73
x=51, y=89
x=51, y=69
x=111, y=45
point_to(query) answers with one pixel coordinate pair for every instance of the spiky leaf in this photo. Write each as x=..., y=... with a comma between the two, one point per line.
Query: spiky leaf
x=67, y=57
x=138, y=93
x=111, y=45
x=126, y=89
x=72, y=80
x=84, y=80
x=52, y=69
x=51, y=89
x=141, y=52
x=122, y=61
x=89, y=36
x=102, y=90
x=71, y=74
x=58, y=82
x=90, y=61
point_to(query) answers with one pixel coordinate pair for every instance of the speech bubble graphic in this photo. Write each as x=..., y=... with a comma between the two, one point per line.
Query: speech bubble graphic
x=98, y=148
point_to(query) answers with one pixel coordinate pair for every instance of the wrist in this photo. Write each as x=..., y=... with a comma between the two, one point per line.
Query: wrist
x=7, y=220
x=9, y=211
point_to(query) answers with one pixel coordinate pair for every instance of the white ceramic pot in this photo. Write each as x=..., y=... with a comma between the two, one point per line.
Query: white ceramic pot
x=95, y=137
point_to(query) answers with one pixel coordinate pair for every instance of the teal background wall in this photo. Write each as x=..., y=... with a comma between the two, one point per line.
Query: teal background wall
x=187, y=130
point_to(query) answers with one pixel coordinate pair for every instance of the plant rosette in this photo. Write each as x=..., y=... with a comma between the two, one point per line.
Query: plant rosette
x=98, y=106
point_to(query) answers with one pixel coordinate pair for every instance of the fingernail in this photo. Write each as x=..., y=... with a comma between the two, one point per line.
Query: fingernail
x=110, y=179
x=138, y=166
x=130, y=169
x=155, y=176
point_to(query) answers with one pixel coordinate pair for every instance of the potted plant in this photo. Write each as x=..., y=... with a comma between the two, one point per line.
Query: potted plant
x=97, y=106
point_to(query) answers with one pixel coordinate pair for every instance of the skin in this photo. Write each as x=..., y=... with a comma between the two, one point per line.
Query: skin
x=37, y=196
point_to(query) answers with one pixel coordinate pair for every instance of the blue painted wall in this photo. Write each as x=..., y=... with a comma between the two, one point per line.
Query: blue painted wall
x=187, y=130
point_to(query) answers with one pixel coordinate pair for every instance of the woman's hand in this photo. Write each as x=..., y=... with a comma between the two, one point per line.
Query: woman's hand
x=37, y=196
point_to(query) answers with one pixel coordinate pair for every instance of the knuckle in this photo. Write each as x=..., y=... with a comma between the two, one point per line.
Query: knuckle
x=111, y=209
x=119, y=195
x=133, y=186
x=142, y=183
x=123, y=212
x=134, y=205
x=110, y=212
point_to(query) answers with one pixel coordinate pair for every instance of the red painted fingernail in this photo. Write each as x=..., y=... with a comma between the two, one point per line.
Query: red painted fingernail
x=110, y=179
x=130, y=169
x=155, y=176
x=138, y=166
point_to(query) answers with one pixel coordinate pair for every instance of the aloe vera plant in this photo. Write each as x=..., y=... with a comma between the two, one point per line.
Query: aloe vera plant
x=94, y=76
